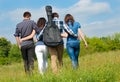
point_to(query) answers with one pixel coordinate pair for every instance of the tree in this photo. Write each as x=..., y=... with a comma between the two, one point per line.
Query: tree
x=4, y=47
x=14, y=54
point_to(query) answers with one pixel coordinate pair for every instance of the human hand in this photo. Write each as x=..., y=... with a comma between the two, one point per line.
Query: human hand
x=19, y=46
x=64, y=35
x=86, y=45
x=21, y=40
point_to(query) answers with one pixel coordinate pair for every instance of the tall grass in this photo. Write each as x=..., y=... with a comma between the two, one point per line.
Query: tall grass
x=97, y=67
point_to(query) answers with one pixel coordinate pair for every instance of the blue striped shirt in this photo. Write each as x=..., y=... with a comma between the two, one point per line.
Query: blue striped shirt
x=64, y=27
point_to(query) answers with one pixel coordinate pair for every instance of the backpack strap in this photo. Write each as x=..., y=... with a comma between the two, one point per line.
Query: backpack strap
x=40, y=33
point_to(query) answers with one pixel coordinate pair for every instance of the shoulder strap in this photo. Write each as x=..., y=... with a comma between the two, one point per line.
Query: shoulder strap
x=40, y=33
x=66, y=27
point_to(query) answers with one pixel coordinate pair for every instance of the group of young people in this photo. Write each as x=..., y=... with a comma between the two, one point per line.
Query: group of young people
x=30, y=45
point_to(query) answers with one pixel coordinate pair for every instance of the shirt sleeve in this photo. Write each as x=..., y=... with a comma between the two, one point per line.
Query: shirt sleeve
x=79, y=26
x=17, y=32
x=35, y=27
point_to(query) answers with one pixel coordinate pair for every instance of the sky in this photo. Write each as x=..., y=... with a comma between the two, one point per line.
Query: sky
x=98, y=18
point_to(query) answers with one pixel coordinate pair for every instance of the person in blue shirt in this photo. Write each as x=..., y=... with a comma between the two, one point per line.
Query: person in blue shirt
x=73, y=43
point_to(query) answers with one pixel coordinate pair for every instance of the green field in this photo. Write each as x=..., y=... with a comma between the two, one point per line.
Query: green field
x=97, y=67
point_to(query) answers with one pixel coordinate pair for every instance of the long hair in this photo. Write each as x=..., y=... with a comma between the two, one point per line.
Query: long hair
x=68, y=18
x=41, y=22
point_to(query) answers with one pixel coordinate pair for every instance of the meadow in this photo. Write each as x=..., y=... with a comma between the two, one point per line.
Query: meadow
x=95, y=67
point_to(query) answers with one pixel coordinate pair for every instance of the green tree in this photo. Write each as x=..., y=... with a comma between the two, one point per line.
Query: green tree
x=14, y=54
x=4, y=47
x=113, y=42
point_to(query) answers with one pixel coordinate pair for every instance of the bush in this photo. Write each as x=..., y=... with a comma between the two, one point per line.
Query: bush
x=4, y=47
x=15, y=54
x=4, y=61
x=102, y=44
x=113, y=42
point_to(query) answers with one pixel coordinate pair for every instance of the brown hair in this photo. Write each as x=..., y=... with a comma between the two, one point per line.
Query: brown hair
x=55, y=15
x=27, y=14
x=41, y=22
x=68, y=18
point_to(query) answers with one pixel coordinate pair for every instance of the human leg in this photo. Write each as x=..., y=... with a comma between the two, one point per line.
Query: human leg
x=39, y=55
x=77, y=50
x=52, y=51
x=60, y=49
x=71, y=53
x=25, y=58
x=31, y=54
x=45, y=58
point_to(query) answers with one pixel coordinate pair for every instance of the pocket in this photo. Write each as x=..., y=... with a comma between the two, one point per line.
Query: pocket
x=74, y=44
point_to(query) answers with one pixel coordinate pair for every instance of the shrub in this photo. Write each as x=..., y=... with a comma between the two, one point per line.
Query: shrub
x=4, y=61
x=15, y=54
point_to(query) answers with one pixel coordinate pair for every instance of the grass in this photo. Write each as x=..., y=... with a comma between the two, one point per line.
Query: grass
x=97, y=67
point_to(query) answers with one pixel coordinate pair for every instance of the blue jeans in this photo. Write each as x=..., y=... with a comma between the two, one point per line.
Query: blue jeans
x=73, y=49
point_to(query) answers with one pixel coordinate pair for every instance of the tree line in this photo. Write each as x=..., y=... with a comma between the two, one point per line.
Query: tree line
x=10, y=53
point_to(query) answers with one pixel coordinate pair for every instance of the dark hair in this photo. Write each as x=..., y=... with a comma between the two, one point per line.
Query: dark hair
x=27, y=14
x=55, y=15
x=68, y=18
x=41, y=22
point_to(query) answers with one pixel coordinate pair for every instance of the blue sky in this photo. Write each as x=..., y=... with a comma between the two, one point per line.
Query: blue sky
x=97, y=17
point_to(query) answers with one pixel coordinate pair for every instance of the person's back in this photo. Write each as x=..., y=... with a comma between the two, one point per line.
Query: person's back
x=59, y=23
x=27, y=47
x=25, y=28
x=74, y=28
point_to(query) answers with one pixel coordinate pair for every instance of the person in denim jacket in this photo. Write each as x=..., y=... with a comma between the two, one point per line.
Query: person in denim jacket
x=73, y=43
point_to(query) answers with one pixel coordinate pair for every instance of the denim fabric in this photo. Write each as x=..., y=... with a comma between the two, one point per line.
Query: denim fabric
x=73, y=49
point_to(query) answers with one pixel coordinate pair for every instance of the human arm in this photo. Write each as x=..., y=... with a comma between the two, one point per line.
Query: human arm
x=18, y=41
x=17, y=35
x=28, y=37
x=64, y=35
x=80, y=35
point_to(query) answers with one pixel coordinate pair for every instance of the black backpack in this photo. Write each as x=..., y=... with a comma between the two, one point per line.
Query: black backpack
x=51, y=33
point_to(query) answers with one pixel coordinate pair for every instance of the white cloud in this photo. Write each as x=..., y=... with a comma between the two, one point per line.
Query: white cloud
x=102, y=28
x=83, y=9
x=18, y=13
x=86, y=8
